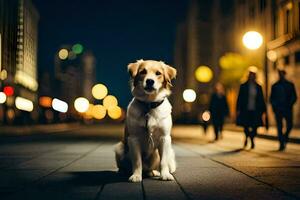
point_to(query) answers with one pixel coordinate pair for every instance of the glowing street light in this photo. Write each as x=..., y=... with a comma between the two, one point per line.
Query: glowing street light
x=98, y=111
x=252, y=40
x=203, y=74
x=99, y=91
x=114, y=112
x=63, y=54
x=110, y=101
x=24, y=104
x=81, y=104
x=189, y=95
x=59, y=105
x=2, y=97
x=77, y=48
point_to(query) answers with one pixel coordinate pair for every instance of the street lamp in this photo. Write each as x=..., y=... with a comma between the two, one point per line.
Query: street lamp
x=252, y=40
x=189, y=95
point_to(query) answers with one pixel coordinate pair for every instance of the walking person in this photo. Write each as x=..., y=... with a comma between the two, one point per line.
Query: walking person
x=218, y=108
x=250, y=107
x=283, y=97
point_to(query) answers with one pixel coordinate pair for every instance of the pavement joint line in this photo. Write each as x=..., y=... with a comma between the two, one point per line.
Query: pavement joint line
x=187, y=196
x=24, y=187
x=231, y=167
x=99, y=192
x=143, y=190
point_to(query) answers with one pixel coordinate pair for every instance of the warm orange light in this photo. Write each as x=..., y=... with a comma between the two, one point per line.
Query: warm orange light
x=99, y=91
x=45, y=101
x=114, y=112
x=98, y=111
x=110, y=101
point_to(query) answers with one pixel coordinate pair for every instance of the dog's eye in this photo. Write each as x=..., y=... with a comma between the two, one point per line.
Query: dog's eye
x=144, y=71
x=158, y=73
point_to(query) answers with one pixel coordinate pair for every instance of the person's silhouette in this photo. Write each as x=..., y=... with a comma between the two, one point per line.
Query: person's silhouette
x=250, y=107
x=283, y=97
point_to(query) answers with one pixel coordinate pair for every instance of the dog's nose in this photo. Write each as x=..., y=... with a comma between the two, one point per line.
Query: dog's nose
x=150, y=82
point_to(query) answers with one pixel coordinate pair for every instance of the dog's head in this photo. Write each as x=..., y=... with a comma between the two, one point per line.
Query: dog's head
x=151, y=80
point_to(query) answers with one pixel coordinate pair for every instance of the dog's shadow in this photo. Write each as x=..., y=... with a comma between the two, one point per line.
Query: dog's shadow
x=91, y=178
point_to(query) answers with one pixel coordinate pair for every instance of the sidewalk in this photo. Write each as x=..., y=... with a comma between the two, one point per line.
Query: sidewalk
x=268, y=134
x=38, y=129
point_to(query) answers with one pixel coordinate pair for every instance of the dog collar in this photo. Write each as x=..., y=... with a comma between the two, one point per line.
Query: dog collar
x=151, y=105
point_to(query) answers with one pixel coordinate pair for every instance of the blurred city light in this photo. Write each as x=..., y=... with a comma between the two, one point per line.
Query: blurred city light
x=81, y=104
x=114, y=112
x=8, y=90
x=24, y=104
x=206, y=116
x=63, y=54
x=99, y=91
x=2, y=97
x=110, y=101
x=59, y=105
x=272, y=55
x=203, y=74
x=3, y=75
x=252, y=40
x=89, y=112
x=77, y=48
x=189, y=95
x=98, y=111
x=45, y=101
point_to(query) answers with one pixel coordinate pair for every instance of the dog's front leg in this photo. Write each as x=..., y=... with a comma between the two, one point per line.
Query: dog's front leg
x=165, y=151
x=136, y=159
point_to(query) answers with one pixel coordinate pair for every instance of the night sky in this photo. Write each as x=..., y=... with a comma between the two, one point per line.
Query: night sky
x=117, y=31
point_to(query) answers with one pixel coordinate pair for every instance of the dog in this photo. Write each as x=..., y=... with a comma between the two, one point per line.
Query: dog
x=147, y=145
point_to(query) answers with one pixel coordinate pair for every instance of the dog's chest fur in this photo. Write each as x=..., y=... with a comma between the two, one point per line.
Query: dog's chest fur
x=148, y=124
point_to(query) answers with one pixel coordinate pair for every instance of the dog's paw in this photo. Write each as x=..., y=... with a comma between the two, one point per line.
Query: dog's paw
x=135, y=178
x=154, y=173
x=167, y=177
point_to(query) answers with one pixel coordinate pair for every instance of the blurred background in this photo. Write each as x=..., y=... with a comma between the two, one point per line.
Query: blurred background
x=66, y=61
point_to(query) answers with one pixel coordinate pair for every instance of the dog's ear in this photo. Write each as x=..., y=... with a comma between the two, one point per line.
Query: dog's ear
x=134, y=67
x=170, y=73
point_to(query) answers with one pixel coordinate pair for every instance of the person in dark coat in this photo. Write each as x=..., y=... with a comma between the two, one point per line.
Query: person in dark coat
x=283, y=97
x=250, y=107
x=218, y=108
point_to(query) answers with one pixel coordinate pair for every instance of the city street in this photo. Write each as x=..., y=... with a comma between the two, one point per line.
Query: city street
x=79, y=164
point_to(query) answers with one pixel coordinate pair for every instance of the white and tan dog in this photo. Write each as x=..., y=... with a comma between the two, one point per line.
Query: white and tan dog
x=147, y=142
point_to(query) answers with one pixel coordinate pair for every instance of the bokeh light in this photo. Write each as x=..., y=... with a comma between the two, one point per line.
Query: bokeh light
x=45, y=101
x=77, y=48
x=63, y=54
x=3, y=75
x=272, y=55
x=99, y=111
x=99, y=91
x=2, y=97
x=110, y=101
x=203, y=74
x=24, y=104
x=189, y=95
x=81, y=104
x=206, y=116
x=252, y=40
x=8, y=90
x=114, y=112
x=59, y=105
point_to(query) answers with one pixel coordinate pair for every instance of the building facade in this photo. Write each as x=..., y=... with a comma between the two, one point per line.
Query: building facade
x=278, y=22
x=201, y=40
x=18, y=57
